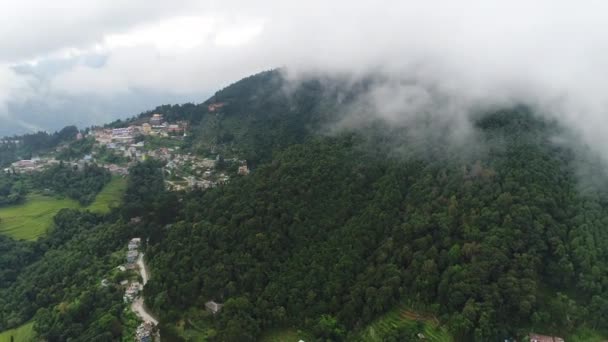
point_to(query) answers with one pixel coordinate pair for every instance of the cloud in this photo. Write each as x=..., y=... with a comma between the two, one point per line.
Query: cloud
x=549, y=54
x=34, y=28
x=13, y=87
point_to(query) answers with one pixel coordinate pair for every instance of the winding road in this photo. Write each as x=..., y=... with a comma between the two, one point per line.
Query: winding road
x=138, y=304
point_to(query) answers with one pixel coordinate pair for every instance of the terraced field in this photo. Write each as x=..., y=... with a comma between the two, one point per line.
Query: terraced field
x=402, y=317
x=24, y=333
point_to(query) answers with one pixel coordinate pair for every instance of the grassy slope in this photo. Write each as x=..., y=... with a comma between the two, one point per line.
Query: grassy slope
x=30, y=220
x=24, y=333
x=110, y=196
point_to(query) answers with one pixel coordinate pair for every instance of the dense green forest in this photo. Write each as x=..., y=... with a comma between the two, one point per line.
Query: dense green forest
x=80, y=184
x=12, y=188
x=60, y=289
x=14, y=256
x=494, y=241
x=496, y=235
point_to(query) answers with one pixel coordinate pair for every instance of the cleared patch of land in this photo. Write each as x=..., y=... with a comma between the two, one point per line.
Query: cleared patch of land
x=24, y=333
x=31, y=219
x=110, y=196
x=402, y=317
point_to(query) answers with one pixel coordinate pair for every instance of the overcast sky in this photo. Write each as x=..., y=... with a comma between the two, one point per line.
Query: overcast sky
x=83, y=62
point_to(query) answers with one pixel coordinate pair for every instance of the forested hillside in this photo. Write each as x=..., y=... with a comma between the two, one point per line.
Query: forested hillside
x=495, y=241
x=55, y=281
x=492, y=235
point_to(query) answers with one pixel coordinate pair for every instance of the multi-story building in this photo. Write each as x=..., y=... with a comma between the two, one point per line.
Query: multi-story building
x=156, y=120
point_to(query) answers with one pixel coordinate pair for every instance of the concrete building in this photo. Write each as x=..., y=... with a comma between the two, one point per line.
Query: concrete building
x=243, y=170
x=146, y=128
x=543, y=338
x=156, y=120
x=144, y=332
x=132, y=256
x=175, y=129
x=213, y=307
x=132, y=292
x=208, y=163
x=215, y=106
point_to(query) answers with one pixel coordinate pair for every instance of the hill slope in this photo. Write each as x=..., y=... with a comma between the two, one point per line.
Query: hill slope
x=489, y=236
x=495, y=237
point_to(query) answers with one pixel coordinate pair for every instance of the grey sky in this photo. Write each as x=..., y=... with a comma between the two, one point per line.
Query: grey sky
x=63, y=54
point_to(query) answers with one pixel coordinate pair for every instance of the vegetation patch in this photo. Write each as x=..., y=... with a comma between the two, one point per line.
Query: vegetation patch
x=285, y=335
x=24, y=333
x=110, y=196
x=79, y=183
x=30, y=220
x=586, y=335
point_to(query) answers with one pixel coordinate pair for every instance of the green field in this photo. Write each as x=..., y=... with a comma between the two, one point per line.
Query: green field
x=30, y=220
x=401, y=317
x=110, y=196
x=24, y=333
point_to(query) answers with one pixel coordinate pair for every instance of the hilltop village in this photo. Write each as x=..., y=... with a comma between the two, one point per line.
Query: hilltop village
x=118, y=148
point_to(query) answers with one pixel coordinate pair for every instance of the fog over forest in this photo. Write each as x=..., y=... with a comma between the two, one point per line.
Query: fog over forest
x=126, y=59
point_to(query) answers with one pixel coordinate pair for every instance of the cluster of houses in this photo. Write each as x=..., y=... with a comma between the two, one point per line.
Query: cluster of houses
x=133, y=251
x=144, y=332
x=201, y=172
x=132, y=289
x=185, y=171
x=122, y=139
x=37, y=164
x=31, y=165
x=156, y=126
